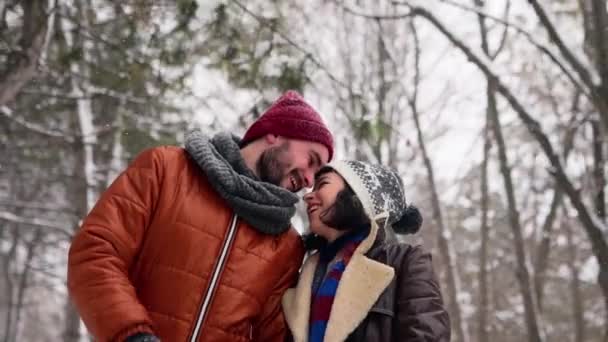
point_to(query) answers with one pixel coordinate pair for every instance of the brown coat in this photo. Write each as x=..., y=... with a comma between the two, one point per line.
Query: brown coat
x=387, y=293
x=411, y=307
x=146, y=255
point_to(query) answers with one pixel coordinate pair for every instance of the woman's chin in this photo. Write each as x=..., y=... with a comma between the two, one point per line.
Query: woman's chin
x=321, y=230
x=313, y=229
x=316, y=228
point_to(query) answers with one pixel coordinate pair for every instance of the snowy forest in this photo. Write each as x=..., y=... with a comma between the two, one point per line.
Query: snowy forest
x=495, y=113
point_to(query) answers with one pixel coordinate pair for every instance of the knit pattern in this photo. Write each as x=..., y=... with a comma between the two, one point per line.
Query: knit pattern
x=266, y=207
x=290, y=116
x=382, y=185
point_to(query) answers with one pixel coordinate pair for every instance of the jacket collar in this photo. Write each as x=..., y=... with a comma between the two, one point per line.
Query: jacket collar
x=362, y=283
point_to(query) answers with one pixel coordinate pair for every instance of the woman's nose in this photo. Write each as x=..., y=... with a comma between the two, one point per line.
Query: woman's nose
x=308, y=196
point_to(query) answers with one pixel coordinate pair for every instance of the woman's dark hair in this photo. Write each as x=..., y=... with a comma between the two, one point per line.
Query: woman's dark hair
x=347, y=213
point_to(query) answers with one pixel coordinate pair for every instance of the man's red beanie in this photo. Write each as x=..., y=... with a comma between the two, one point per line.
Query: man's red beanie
x=291, y=117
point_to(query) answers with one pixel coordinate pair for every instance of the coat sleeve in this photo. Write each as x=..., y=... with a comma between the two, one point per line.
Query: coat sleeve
x=420, y=312
x=271, y=326
x=104, y=248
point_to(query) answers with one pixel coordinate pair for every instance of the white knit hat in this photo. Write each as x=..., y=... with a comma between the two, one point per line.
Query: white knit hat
x=381, y=192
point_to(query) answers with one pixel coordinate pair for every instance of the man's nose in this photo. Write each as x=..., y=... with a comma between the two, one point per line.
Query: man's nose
x=309, y=178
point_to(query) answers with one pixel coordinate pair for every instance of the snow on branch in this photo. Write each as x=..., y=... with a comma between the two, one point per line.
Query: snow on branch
x=8, y=113
x=36, y=222
x=291, y=42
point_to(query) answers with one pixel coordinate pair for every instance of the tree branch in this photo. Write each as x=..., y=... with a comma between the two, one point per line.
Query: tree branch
x=592, y=225
x=503, y=39
x=292, y=43
x=8, y=113
x=557, y=40
x=584, y=88
x=35, y=222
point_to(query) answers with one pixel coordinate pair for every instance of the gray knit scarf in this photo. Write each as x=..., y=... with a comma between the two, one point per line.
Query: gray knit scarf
x=266, y=207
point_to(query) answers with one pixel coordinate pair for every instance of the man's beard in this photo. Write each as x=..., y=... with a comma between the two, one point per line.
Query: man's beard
x=269, y=166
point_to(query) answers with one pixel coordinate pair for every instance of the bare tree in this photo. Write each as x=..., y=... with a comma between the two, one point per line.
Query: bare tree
x=592, y=226
x=443, y=233
x=522, y=272
x=483, y=252
x=544, y=247
x=595, y=23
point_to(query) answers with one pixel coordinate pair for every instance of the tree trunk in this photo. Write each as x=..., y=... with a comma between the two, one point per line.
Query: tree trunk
x=593, y=227
x=600, y=40
x=524, y=279
x=599, y=163
x=542, y=256
x=85, y=193
x=484, y=232
x=484, y=229
x=22, y=65
x=116, y=162
x=522, y=273
x=72, y=323
x=595, y=24
x=10, y=295
x=445, y=248
x=15, y=236
x=24, y=279
x=578, y=310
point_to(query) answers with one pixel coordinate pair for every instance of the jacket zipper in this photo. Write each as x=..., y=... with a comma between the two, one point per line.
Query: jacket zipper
x=215, y=275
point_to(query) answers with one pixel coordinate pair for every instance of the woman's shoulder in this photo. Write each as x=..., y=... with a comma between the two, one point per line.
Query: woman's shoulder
x=399, y=254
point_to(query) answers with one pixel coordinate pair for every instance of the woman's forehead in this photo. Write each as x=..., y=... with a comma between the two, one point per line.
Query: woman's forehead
x=326, y=174
x=331, y=176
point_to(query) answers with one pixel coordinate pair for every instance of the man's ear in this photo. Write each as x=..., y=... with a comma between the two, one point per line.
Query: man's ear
x=272, y=139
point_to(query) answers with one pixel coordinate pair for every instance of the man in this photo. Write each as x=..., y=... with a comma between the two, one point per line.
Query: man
x=195, y=244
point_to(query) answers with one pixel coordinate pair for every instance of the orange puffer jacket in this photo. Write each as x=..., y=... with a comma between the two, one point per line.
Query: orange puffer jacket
x=161, y=253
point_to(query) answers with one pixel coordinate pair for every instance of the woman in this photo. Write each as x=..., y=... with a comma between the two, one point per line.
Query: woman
x=361, y=285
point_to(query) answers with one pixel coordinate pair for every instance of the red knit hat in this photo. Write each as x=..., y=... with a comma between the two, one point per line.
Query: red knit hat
x=290, y=116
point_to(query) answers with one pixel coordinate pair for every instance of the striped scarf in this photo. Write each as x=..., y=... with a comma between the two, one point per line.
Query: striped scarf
x=325, y=291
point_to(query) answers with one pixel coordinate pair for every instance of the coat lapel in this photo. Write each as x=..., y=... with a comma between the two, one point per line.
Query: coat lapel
x=362, y=283
x=296, y=301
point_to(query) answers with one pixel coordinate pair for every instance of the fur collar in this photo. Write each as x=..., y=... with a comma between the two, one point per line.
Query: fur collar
x=362, y=283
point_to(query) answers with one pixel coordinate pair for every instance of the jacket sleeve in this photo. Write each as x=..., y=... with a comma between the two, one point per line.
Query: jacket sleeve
x=421, y=315
x=104, y=248
x=271, y=326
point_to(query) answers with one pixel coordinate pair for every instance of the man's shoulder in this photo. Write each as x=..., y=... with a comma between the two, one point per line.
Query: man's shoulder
x=291, y=242
x=168, y=155
x=166, y=151
x=293, y=236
